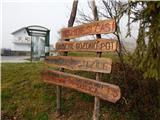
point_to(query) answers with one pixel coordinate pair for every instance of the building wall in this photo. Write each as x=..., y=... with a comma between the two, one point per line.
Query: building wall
x=21, y=41
x=21, y=47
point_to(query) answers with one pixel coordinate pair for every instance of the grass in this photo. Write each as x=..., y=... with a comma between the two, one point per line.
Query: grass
x=26, y=97
x=24, y=94
x=91, y=54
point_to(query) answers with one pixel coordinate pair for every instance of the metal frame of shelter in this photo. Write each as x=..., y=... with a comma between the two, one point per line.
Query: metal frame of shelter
x=40, y=31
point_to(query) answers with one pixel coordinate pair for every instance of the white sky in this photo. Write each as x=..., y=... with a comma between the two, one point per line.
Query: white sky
x=52, y=14
x=15, y=15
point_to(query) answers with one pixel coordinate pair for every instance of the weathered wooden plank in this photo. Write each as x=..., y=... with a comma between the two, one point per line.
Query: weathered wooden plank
x=98, y=27
x=99, y=45
x=93, y=64
x=103, y=90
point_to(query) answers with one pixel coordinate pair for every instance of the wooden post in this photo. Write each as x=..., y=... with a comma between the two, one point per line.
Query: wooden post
x=96, y=112
x=70, y=24
x=58, y=100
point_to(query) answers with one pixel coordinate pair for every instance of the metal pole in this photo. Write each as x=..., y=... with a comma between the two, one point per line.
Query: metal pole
x=47, y=43
x=31, y=49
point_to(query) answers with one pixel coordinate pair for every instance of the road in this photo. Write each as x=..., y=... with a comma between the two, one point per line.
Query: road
x=14, y=59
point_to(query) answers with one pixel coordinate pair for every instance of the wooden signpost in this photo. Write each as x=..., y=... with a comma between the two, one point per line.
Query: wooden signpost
x=98, y=27
x=103, y=90
x=81, y=63
x=98, y=89
x=98, y=45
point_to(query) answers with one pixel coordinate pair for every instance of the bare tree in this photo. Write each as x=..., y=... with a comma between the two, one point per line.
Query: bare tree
x=73, y=13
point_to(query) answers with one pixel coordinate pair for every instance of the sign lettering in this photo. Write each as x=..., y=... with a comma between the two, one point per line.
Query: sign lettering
x=98, y=27
x=81, y=63
x=103, y=90
x=99, y=45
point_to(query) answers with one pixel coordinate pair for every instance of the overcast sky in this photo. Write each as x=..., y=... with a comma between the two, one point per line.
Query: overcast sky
x=18, y=14
x=52, y=14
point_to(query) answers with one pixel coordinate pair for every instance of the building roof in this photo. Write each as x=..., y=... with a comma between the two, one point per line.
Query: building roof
x=32, y=27
x=18, y=30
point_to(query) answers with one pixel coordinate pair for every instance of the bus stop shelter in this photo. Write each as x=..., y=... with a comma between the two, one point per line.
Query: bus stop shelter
x=39, y=41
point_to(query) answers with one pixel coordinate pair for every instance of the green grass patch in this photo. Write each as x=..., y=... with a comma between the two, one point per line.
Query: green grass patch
x=86, y=97
x=25, y=96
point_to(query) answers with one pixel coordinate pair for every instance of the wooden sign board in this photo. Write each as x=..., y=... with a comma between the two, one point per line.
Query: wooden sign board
x=98, y=27
x=81, y=63
x=99, y=45
x=103, y=90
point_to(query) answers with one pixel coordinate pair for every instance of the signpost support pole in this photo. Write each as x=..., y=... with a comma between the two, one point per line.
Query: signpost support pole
x=70, y=24
x=96, y=112
x=58, y=100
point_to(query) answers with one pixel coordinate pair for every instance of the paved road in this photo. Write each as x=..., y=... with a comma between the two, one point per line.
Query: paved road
x=14, y=59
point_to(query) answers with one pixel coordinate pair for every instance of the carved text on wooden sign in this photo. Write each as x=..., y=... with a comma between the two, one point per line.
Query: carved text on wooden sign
x=99, y=45
x=98, y=27
x=103, y=90
x=81, y=63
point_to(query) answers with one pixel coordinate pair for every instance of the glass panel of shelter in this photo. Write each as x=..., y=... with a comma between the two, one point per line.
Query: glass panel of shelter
x=38, y=49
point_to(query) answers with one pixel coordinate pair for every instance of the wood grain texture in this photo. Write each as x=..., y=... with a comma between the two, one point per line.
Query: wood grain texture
x=103, y=90
x=98, y=27
x=93, y=64
x=98, y=45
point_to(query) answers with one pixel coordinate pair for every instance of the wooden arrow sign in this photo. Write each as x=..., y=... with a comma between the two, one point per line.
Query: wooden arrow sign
x=81, y=63
x=99, y=45
x=98, y=27
x=103, y=90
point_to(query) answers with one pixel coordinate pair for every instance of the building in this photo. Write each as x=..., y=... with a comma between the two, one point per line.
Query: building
x=21, y=42
x=32, y=40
